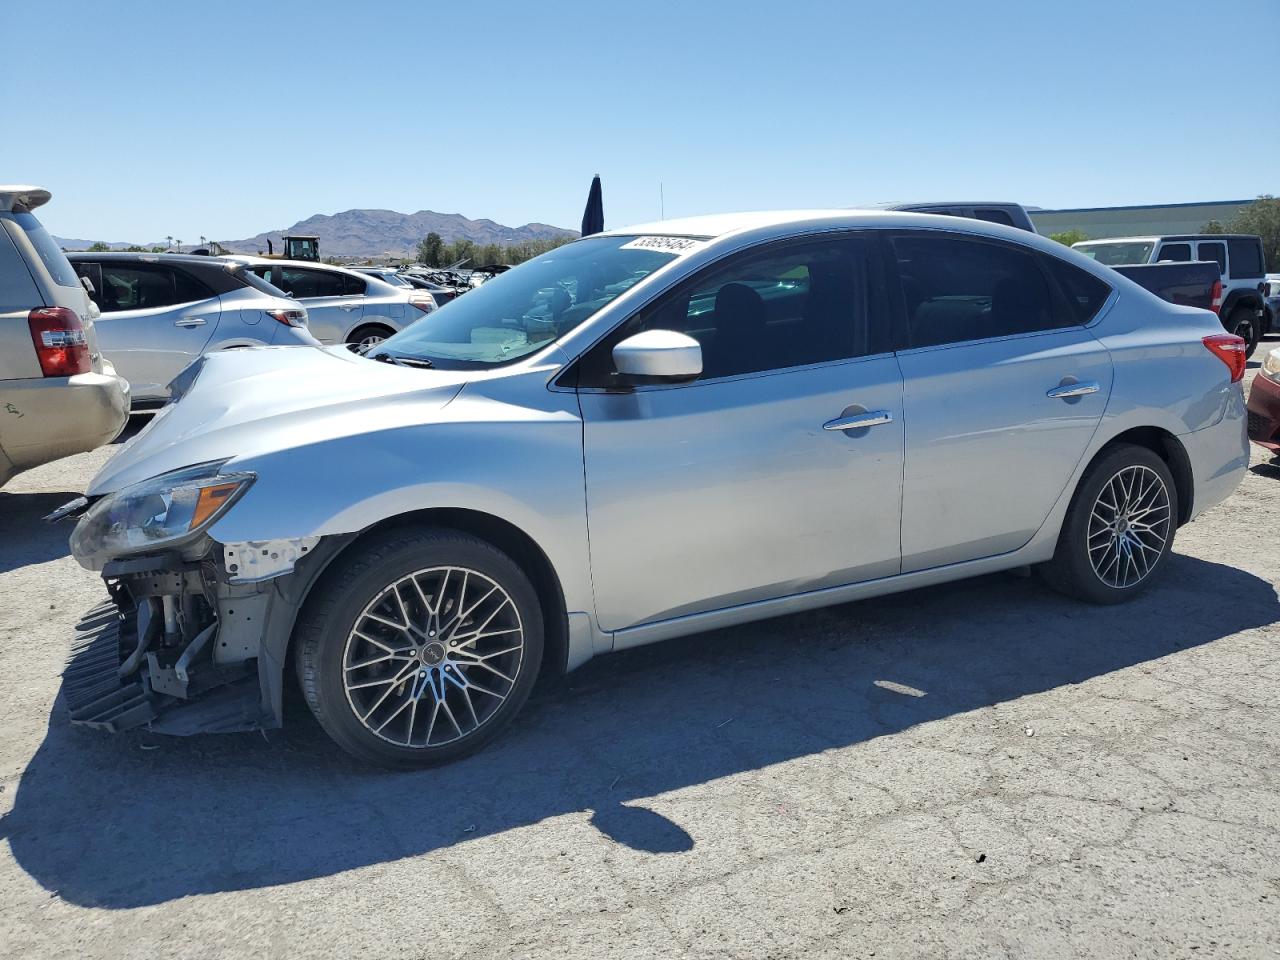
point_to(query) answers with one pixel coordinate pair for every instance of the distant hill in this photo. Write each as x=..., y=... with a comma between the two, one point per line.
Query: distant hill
x=372, y=233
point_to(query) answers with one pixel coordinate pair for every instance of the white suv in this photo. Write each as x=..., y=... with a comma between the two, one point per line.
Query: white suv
x=344, y=306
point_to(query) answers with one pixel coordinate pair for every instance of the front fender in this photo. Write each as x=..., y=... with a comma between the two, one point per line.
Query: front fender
x=524, y=468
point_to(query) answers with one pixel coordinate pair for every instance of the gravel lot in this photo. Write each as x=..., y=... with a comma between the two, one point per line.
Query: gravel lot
x=985, y=769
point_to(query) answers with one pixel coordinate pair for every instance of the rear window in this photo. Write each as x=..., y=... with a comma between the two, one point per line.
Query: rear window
x=1084, y=293
x=1246, y=258
x=992, y=215
x=1118, y=254
x=253, y=280
x=55, y=261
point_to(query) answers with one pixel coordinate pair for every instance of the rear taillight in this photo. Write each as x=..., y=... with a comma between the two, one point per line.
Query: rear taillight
x=1231, y=350
x=60, y=341
x=1216, y=297
x=423, y=301
x=290, y=318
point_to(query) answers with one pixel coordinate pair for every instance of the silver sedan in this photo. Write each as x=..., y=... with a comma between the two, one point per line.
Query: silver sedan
x=643, y=434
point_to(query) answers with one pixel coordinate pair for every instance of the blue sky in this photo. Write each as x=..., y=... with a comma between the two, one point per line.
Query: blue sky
x=225, y=119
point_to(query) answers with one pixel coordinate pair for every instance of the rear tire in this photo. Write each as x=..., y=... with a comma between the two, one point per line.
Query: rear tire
x=370, y=335
x=419, y=648
x=1118, y=530
x=1244, y=325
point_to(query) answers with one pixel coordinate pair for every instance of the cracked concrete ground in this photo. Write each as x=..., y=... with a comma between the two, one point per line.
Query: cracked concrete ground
x=980, y=770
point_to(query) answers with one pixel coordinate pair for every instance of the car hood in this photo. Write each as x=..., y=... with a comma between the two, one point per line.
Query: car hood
x=247, y=402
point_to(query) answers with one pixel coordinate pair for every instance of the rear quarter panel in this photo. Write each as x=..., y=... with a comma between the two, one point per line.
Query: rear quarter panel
x=1164, y=375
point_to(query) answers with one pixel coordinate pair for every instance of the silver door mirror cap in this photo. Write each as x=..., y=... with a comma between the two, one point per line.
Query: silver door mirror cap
x=659, y=356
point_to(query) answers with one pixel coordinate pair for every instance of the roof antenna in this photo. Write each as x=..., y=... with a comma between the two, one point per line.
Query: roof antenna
x=662, y=203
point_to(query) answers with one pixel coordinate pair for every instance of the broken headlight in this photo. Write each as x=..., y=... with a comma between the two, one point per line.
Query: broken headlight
x=160, y=512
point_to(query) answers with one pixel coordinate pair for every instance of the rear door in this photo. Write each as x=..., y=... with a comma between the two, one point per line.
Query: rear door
x=1003, y=388
x=334, y=305
x=155, y=320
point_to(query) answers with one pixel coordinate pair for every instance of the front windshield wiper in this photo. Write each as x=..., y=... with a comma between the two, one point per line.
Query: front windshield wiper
x=420, y=362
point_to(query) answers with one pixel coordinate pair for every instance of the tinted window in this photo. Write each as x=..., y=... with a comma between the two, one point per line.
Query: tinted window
x=992, y=215
x=187, y=289
x=312, y=283
x=794, y=305
x=1174, y=253
x=144, y=286
x=959, y=289
x=1246, y=258
x=1083, y=293
x=353, y=286
x=1214, y=251
x=55, y=261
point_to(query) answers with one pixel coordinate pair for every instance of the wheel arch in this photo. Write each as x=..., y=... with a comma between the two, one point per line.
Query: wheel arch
x=500, y=533
x=1168, y=448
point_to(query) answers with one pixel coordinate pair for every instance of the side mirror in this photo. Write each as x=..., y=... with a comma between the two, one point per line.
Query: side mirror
x=658, y=356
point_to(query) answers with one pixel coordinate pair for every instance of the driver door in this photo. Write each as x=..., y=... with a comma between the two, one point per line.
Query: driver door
x=728, y=490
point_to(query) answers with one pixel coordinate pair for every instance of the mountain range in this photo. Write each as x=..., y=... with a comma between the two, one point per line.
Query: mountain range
x=373, y=233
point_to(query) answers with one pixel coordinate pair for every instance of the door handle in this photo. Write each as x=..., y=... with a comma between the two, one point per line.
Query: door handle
x=872, y=418
x=350, y=306
x=189, y=322
x=1067, y=391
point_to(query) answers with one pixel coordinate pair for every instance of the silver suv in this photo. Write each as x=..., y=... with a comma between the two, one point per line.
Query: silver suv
x=58, y=396
x=161, y=311
x=638, y=435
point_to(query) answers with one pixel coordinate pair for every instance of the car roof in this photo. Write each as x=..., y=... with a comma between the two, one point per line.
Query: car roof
x=194, y=259
x=22, y=195
x=787, y=222
x=1157, y=238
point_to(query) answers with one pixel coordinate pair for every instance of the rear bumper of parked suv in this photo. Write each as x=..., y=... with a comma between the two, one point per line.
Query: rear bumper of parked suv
x=1264, y=413
x=49, y=418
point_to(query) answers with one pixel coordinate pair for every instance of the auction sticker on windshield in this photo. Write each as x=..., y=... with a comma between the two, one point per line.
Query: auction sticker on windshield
x=665, y=244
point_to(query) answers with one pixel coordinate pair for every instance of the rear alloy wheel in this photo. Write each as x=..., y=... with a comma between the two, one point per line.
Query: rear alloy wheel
x=1244, y=325
x=363, y=338
x=420, y=649
x=1119, y=528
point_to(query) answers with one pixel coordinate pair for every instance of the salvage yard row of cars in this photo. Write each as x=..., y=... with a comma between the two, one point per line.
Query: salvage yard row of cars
x=752, y=414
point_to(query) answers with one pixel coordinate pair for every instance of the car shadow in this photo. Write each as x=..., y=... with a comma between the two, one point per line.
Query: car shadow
x=132, y=820
x=26, y=538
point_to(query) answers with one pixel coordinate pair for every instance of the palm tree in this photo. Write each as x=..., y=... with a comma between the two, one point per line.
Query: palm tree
x=170, y=239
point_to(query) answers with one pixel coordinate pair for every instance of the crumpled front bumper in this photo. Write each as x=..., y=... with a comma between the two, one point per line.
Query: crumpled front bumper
x=198, y=669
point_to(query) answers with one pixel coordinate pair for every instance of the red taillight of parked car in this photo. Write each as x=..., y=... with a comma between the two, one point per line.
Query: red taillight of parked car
x=423, y=301
x=1216, y=297
x=60, y=341
x=1231, y=350
x=290, y=318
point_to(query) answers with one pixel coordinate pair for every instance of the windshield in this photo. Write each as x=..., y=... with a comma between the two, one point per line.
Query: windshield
x=1117, y=254
x=524, y=309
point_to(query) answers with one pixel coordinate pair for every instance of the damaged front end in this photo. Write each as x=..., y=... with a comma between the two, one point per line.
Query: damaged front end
x=195, y=633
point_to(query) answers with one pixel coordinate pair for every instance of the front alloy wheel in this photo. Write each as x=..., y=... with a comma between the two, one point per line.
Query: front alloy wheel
x=433, y=657
x=419, y=647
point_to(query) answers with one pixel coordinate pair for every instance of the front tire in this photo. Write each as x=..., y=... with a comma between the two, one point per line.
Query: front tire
x=420, y=648
x=1118, y=530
